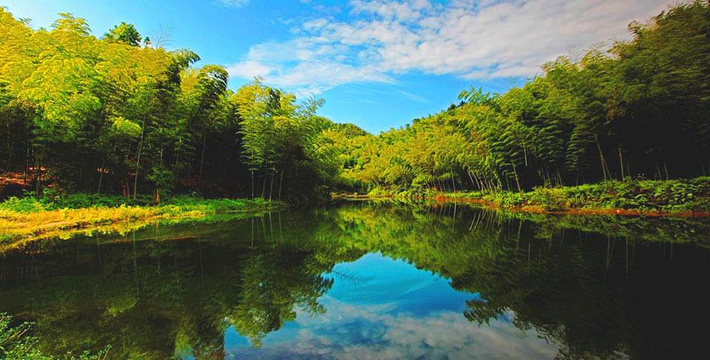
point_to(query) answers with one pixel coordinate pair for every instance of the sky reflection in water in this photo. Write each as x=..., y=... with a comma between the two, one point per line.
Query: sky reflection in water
x=379, y=308
x=326, y=283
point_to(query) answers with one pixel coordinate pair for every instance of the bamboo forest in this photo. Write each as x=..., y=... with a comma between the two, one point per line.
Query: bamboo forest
x=158, y=202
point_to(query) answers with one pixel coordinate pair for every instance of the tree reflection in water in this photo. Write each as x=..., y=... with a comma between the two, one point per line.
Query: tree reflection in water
x=584, y=284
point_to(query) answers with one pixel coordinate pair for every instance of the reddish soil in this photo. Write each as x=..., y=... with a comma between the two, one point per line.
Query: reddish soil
x=15, y=178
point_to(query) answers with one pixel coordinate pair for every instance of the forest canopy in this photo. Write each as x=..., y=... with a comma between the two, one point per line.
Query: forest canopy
x=119, y=114
x=639, y=109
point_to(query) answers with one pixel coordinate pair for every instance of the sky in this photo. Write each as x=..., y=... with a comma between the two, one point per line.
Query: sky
x=377, y=63
x=380, y=308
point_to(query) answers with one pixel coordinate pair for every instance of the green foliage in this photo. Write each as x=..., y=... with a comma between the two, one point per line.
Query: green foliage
x=289, y=140
x=124, y=33
x=63, y=216
x=22, y=205
x=639, y=110
x=127, y=128
x=17, y=344
x=667, y=196
x=672, y=196
x=258, y=274
x=185, y=203
x=50, y=200
x=113, y=115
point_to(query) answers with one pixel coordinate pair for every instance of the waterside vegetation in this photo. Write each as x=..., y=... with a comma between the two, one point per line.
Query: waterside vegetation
x=636, y=110
x=17, y=343
x=631, y=197
x=586, y=291
x=121, y=114
x=31, y=219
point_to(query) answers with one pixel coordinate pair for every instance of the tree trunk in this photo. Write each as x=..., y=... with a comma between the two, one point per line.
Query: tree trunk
x=38, y=175
x=601, y=158
x=470, y=178
x=9, y=154
x=621, y=164
x=27, y=164
x=263, y=228
x=517, y=181
x=125, y=188
x=101, y=175
x=271, y=187
x=81, y=169
x=478, y=181
x=138, y=160
x=559, y=176
x=202, y=159
x=281, y=182
x=176, y=162
x=263, y=187
x=665, y=168
x=156, y=196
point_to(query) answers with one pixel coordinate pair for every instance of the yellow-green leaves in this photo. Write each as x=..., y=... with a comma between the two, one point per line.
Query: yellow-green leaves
x=125, y=128
x=125, y=34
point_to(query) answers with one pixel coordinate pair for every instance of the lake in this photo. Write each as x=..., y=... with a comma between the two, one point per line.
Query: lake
x=367, y=280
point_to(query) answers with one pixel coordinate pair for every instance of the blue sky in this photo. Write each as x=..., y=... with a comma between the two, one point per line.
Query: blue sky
x=378, y=63
x=380, y=308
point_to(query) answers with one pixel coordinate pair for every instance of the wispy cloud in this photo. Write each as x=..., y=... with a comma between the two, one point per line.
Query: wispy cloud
x=375, y=331
x=306, y=64
x=233, y=3
x=411, y=96
x=465, y=38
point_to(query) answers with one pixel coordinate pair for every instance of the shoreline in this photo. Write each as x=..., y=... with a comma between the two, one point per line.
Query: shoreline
x=537, y=209
x=18, y=228
x=642, y=198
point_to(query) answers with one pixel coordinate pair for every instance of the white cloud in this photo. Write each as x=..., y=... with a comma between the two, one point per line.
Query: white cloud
x=465, y=38
x=249, y=69
x=307, y=65
x=349, y=331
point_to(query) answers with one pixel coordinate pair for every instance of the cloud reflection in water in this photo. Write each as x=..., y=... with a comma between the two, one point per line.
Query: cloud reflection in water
x=387, y=309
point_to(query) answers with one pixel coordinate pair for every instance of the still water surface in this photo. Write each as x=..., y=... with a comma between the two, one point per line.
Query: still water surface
x=372, y=281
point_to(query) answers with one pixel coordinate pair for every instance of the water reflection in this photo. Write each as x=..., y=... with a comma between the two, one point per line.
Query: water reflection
x=370, y=280
x=387, y=309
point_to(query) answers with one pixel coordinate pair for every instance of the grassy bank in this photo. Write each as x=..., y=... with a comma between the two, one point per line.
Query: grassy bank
x=30, y=219
x=634, y=197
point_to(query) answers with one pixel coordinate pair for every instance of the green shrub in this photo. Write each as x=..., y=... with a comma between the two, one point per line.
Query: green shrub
x=663, y=195
x=22, y=205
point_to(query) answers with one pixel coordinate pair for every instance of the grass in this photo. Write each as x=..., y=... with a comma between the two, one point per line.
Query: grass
x=633, y=197
x=30, y=219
